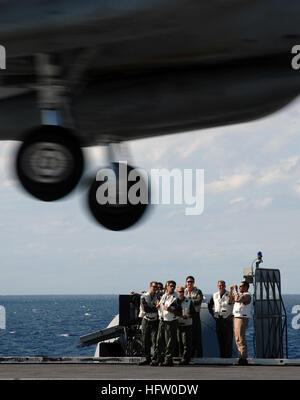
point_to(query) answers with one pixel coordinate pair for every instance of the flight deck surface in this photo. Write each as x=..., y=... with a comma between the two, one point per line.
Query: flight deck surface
x=127, y=369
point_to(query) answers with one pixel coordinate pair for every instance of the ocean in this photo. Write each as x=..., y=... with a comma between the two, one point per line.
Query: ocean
x=51, y=325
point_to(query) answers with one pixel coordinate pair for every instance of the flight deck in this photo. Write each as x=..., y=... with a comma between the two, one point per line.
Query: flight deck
x=127, y=368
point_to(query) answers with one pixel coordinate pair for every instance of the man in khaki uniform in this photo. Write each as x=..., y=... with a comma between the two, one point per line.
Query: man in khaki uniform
x=242, y=314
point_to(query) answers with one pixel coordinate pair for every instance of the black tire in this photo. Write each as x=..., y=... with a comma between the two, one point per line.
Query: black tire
x=120, y=216
x=49, y=162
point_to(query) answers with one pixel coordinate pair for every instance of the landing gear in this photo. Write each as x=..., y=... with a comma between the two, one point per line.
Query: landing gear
x=116, y=202
x=49, y=162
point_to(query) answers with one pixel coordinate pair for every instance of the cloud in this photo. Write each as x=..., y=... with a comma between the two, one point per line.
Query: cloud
x=279, y=172
x=202, y=139
x=271, y=177
x=237, y=200
x=263, y=203
x=228, y=183
x=243, y=204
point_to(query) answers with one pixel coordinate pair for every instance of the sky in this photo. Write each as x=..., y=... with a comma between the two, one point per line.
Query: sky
x=252, y=203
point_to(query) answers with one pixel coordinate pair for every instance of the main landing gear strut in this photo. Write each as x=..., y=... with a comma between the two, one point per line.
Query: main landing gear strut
x=50, y=161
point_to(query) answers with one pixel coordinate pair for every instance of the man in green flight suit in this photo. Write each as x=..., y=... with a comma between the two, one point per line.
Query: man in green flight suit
x=148, y=313
x=170, y=310
x=196, y=296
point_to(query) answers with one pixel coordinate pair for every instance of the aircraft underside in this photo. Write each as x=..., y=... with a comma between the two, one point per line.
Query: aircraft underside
x=131, y=70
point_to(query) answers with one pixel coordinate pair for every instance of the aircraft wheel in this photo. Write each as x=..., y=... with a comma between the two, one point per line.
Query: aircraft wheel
x=49, y=162
x=117, y=217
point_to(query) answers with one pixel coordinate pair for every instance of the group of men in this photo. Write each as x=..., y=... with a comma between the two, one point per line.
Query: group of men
x=171, y=323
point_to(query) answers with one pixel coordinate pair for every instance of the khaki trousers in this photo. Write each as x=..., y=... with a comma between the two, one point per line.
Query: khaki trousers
x=240, y=326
